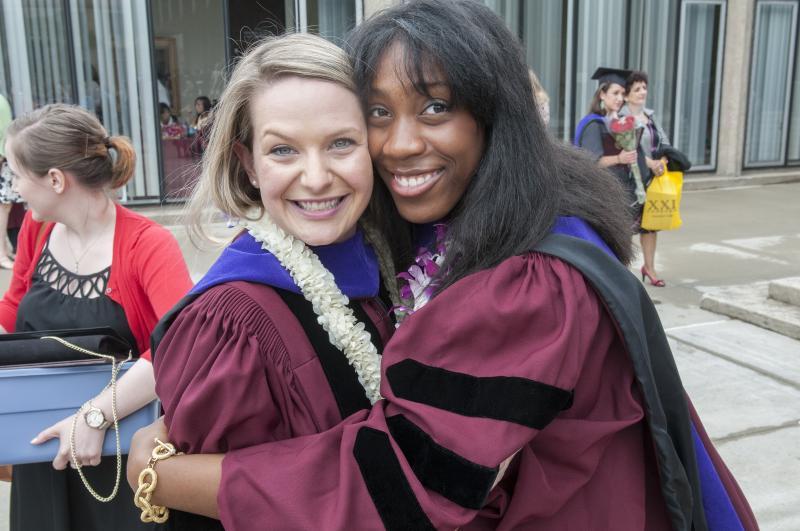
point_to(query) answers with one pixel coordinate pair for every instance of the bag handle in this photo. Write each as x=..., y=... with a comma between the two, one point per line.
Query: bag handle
x=115, y=367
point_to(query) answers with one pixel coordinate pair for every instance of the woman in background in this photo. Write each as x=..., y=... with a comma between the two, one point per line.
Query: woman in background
x=540, y=96
x=202, y=110
x=83, y=261
x=653, y=137
x=198, y=129
x=7, y=196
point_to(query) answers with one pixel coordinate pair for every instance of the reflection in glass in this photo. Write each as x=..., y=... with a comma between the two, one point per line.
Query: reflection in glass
x=189, y=58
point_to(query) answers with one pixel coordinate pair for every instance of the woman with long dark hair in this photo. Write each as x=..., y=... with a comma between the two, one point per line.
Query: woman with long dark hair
x=532, y=389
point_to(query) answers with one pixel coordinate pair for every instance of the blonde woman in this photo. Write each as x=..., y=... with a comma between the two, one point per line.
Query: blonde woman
x=244, y=359
x=83, y=261
x=540, y=97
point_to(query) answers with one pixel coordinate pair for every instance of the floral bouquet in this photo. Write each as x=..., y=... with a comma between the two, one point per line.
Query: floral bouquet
x=419, y=282
x=624, y=131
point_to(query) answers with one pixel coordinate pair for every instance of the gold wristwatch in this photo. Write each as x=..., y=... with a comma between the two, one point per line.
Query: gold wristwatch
x=94, y=417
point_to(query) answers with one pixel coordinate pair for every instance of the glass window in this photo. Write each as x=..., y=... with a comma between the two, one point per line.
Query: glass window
x=698, y=81
x=793, y=151
x=544, y=37
x=330, y=18
x=564, y=43
x=600, y=41
x=111, y=54
x=770, y=83
x=652, y=44
x=50, y=66
x=5, y=84
x=189, y=57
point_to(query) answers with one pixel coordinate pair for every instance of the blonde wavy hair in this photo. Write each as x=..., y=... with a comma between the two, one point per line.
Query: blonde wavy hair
x=224, y=184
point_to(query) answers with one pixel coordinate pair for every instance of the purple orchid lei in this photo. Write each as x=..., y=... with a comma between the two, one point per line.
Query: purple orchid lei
x=419, y=282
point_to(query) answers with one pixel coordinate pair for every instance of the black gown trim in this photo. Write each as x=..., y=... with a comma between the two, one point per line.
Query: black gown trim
x=440, y=469
x=388, y=487
x=654, y=367
x=507, y=398
x=342, y=377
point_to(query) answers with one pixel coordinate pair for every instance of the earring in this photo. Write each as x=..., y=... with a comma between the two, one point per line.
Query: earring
x=254, y=183
x=602, y=105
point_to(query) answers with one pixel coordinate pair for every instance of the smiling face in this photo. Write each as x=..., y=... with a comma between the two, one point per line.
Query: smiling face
x=424, y=149
x=309, y=158
x=613, y=97
x=638, y=94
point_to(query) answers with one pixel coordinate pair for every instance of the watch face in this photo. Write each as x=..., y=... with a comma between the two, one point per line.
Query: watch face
x=94, y=418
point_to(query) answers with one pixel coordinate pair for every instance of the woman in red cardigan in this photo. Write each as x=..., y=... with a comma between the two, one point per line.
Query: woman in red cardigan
x=83, y=261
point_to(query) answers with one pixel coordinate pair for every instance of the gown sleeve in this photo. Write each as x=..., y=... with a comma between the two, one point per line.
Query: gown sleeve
x=468, y=381
x=592, y=139
x=211, y=374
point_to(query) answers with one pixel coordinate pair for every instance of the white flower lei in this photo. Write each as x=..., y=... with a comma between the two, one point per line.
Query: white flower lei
x=319, y=288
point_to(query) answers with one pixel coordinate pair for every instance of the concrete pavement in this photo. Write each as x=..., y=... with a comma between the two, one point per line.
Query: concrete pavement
x=744, y=380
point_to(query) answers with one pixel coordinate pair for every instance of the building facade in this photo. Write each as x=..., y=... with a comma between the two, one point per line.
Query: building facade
x=724, y=79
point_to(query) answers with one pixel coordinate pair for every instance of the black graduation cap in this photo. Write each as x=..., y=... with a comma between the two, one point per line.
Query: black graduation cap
x=611, y=75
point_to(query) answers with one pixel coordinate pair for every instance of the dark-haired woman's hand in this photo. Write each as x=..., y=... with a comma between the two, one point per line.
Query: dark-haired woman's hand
x=627, y=157
x=142, y=446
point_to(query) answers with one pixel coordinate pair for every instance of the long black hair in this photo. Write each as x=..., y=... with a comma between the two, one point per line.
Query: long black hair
x=525, y=177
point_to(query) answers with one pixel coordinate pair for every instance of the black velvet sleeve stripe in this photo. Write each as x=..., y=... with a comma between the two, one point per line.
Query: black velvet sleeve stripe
x=440, y=469
x=507, y=398
x=387, y=485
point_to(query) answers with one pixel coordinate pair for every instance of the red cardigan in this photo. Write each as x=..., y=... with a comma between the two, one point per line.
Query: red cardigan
x=148, y=273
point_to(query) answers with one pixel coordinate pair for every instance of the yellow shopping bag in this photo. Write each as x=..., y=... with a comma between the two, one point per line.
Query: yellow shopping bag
x=663, y=203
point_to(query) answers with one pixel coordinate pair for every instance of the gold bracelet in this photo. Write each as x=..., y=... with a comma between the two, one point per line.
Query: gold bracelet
x=148, y=479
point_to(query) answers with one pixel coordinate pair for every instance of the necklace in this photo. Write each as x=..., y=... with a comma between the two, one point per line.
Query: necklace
x=318, y=287
x=86, y=249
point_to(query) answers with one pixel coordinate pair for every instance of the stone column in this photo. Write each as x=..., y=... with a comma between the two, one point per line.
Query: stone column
x=735, y=87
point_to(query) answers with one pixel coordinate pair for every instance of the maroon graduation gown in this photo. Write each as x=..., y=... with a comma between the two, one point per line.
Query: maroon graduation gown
x=236, y=369
x=519, y=358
